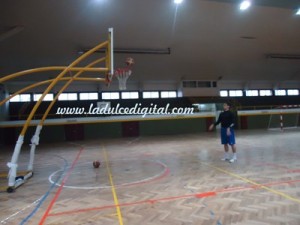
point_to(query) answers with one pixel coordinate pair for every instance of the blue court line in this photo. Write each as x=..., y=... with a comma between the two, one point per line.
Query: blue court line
x=46, y=194
x=212, y=214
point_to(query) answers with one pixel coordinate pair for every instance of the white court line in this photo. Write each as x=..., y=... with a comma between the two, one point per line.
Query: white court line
x=4, y=221
x=120, y=185
x=134, y=140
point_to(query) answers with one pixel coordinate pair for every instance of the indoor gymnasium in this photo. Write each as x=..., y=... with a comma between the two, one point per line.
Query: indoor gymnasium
x=161, y=112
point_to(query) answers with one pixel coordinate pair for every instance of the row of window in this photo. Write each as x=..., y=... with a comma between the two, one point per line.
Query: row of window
x=241, y=93
x=95, y=96
x=147, y=95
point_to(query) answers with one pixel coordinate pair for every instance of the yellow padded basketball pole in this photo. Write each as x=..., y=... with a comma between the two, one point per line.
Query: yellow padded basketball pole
x=67, y=84
x=49, y=81
x=53, y=83
x=50, y=68
x=62, y=79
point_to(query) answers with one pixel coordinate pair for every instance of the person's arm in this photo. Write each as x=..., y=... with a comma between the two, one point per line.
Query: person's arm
x=216, y=123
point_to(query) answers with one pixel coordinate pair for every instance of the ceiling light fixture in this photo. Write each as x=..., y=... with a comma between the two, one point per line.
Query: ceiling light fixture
x=298, y=12
x=157, y=51
x=178, y=1
x=245, y=5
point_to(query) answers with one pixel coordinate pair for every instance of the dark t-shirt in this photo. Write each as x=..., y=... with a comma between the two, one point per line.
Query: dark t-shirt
x=226, y=119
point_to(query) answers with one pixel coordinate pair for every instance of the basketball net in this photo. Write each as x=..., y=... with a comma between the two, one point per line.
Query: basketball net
x=122, y=74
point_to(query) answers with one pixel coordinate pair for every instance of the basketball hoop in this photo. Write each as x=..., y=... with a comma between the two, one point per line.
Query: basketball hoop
x=122, y=75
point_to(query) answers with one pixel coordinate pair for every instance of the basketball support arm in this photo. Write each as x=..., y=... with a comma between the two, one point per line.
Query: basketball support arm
x=49, y=81
x=35, y=139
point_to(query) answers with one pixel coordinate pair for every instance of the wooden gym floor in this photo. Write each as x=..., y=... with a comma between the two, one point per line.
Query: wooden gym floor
x=170, y=180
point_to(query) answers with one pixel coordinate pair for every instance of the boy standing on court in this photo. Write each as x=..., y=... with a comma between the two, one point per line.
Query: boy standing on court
x=226, y=118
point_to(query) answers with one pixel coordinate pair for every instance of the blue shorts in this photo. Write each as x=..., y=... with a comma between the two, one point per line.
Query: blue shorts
x=227, y=139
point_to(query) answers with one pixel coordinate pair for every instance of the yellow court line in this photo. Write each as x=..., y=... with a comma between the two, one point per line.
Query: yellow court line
x=256, y=184
x=113, y=189
x=20, y=173
x=3, y=189
x=4, y=174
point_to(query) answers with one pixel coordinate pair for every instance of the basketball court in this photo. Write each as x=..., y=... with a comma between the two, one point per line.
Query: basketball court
x=119, y=134
x=161, y=180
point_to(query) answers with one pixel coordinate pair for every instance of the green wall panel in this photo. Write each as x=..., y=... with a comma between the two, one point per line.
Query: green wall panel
x=258, y=122
x=162, y=127
x=48, y=134
x=98, y=130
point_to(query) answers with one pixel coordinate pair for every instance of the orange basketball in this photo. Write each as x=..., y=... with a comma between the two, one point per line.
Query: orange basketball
x=96, y=164
x=129, y=61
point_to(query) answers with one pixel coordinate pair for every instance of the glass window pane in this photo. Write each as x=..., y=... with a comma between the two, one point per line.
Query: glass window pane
x=93, y=96
x=265, y=93
x=164, y=94
x=151, y=94
x=125, y=95
x=110, y=95
x=134, y=95
x=48, y=97
x=15, y=98
x=168, y=94
x=130, y=95
x=154, y=94
x=25, y=98
x=293, y=92
x=21, y=98
x=88, y=96
x=106, y=95
x=146, y=95
x=236, y=93
x=84, y=96
x=172, y=94
x=115, y=95
x=223, y=93
x=72, y=96
x=63, y=97
x=252, y=93
x=280, y=92
x=67, y=97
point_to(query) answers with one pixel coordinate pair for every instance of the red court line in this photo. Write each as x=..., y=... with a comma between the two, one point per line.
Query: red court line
x=150, y=201
x=196, y=195
x=46, y=214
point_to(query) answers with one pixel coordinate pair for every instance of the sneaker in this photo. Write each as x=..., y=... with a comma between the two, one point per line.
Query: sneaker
x=225, y=159
x=232, y=160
